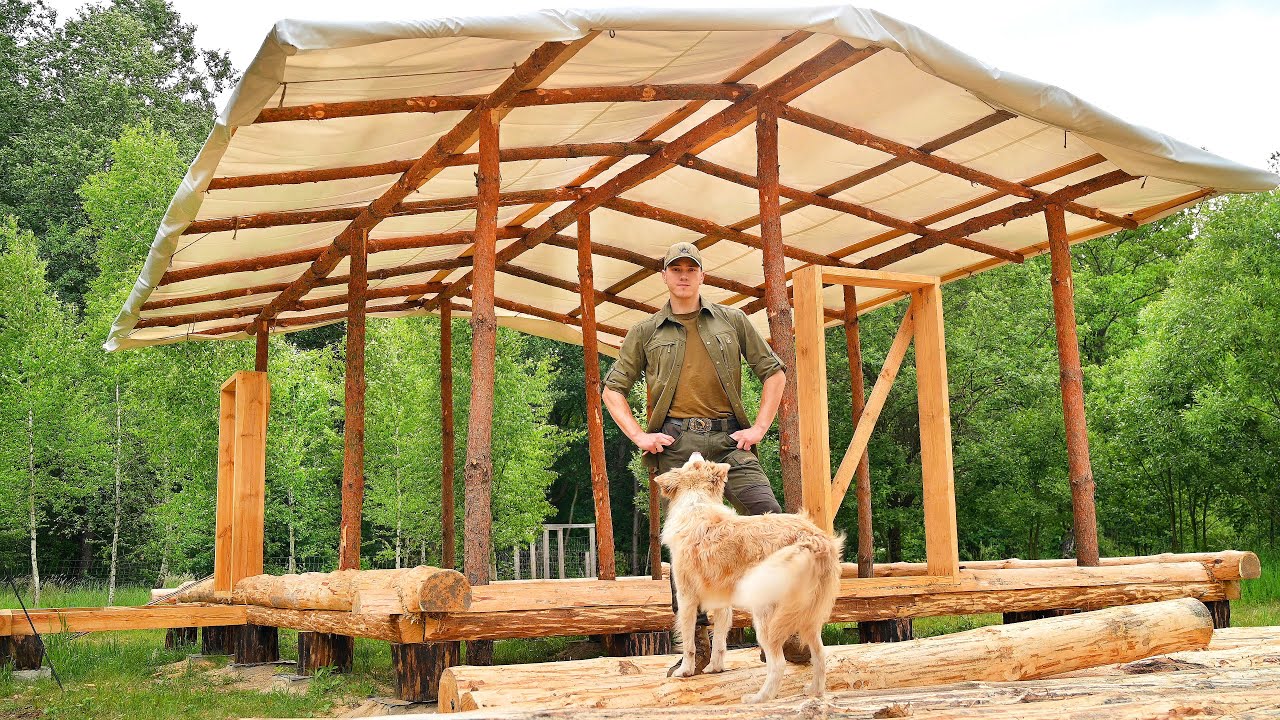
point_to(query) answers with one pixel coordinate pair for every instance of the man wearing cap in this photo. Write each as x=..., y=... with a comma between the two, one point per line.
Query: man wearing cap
x=691, y=353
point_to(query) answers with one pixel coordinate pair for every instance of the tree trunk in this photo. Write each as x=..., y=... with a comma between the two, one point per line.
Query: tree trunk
x=293, y=550
x=115, y=526
x=31, y=505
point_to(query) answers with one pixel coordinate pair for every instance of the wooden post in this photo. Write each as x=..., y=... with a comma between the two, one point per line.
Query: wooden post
x=1016, y=617
x=810, y=370
x=781, y=331
x=418, y=667
x=23, y=652
x=242, y=468
x=255, y=644
x=353, y=428
x=1072, y=382
x=448, y=546
x=595, y=417
x=1221, y=612
x=478, y=521
x=260, y=349
x=858, y=400
x=941, y=541
x=317, y=650
x=217, y=640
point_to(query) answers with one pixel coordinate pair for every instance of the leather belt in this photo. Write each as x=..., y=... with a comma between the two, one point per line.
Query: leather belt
x=703, y=425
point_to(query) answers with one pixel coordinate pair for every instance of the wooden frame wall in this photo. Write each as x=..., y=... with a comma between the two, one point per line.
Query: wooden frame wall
x=923, y=325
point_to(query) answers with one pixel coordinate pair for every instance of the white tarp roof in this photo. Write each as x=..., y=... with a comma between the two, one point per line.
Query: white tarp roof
x=917, y=89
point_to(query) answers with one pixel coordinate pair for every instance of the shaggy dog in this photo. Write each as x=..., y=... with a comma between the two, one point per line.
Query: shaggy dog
x=782, y=568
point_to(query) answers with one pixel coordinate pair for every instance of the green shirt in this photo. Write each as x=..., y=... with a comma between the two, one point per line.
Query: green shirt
x=655, y=348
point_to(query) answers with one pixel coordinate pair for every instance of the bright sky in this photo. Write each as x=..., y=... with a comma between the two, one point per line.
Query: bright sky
x=1202, y=71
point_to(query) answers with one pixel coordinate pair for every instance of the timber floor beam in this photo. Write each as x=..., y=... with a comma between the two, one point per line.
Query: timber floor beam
x=150, y=617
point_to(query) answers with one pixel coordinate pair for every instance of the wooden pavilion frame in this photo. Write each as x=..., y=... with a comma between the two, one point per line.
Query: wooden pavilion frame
x=474, y=140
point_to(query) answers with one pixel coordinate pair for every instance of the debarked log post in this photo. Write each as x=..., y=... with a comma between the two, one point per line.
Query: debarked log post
x=418, y=667
x=318, y=650
x=1023, y=651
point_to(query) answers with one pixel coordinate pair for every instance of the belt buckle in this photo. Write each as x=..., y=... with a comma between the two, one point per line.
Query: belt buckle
x=700, y=425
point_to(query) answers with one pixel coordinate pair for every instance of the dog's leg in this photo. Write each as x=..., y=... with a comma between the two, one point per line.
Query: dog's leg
x=721, y=620
x=776, y=664
x=818, y=660
x=686, y=627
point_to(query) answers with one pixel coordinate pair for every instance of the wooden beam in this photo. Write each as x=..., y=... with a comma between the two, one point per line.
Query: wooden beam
x=841, y=185
x=781, y=325
x=651, y=264
x=539, y=97
x=573, y=287
x=1079, y=468
x=298, y=257
x=857, y=404
x=836, y=58
x=811, y=376
x=478, y=519
x=396, y=167
x=448, y=544
x=100, y=619
x=942, y=165
x=937, y=472
x=303, y=320
x=544, y=314
x=867, y=415
x=542, y=63
x=260, y=359
x=996, y=217
x=222, y=582
x=707, y=227
x=249, y=310
x=353, y=412
x=606, y=569
x=353, y=213
x=830, y=203
x=1056, y=173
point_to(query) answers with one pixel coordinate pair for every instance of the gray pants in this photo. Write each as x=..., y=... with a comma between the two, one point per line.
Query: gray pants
x=748, y=488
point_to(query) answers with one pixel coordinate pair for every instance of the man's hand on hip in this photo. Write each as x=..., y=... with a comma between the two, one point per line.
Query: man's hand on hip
x=748, y=438
x=652, y=442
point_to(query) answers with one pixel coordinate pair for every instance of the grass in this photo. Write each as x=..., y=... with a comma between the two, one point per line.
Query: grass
x=131, y=675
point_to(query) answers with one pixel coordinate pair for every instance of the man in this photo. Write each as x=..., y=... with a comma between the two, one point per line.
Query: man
x=689, y=353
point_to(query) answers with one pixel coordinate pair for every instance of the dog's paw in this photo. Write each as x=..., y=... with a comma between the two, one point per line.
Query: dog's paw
x=753, y=699
x=715, y=666
x=816, y=692
x=684, y=670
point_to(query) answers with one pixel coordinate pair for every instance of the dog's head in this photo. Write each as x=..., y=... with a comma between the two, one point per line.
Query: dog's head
x=696, y=474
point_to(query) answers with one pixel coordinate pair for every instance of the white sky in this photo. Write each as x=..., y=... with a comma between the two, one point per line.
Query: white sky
x=1203, y=71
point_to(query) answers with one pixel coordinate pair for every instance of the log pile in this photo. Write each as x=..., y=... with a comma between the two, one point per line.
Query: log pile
x=1024, y=651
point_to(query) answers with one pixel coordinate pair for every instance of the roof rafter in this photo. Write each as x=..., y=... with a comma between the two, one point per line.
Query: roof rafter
x=942, y=165
x=542, y=63
x=355, y=212
x=833, y=60
x=246, y=311
x=703, y=92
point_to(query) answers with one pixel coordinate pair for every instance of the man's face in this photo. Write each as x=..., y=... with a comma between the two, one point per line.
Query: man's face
x=683, y=278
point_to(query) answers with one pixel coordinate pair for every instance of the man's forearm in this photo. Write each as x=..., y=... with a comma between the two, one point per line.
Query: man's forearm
x=770, y=398
x=620, y=411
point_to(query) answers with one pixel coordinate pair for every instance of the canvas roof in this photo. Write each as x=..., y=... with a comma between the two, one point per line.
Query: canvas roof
x=899, y=136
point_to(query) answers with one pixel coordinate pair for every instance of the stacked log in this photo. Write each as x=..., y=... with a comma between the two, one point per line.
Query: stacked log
x=1024, y=651
x=1225, y=565
x=379, y=592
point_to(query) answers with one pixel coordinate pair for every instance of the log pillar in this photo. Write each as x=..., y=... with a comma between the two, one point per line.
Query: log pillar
x=260, y=349
x=418, y=667
x=255, y=644
x=881, y=631
x=1221, y=612
x=23, y=652
x=638, y=644
x=778, y=306
x=478, y=519
x=217, y=640
x=858, y=393
x=605, y=567
x=448, y=545
x=178, y=637
x=1072, y=381
x=353, y=427
x=317, y=650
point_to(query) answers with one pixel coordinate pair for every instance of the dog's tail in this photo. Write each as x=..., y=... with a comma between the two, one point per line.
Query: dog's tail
x=801, y=577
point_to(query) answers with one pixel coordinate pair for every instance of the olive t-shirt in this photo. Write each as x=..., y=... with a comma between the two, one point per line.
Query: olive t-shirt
x=698, y=391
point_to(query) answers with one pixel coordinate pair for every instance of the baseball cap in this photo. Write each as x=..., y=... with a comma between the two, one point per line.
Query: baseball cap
x=682, y=250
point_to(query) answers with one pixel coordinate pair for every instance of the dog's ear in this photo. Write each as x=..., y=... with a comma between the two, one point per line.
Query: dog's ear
x=667, y=483
x=721, y=474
